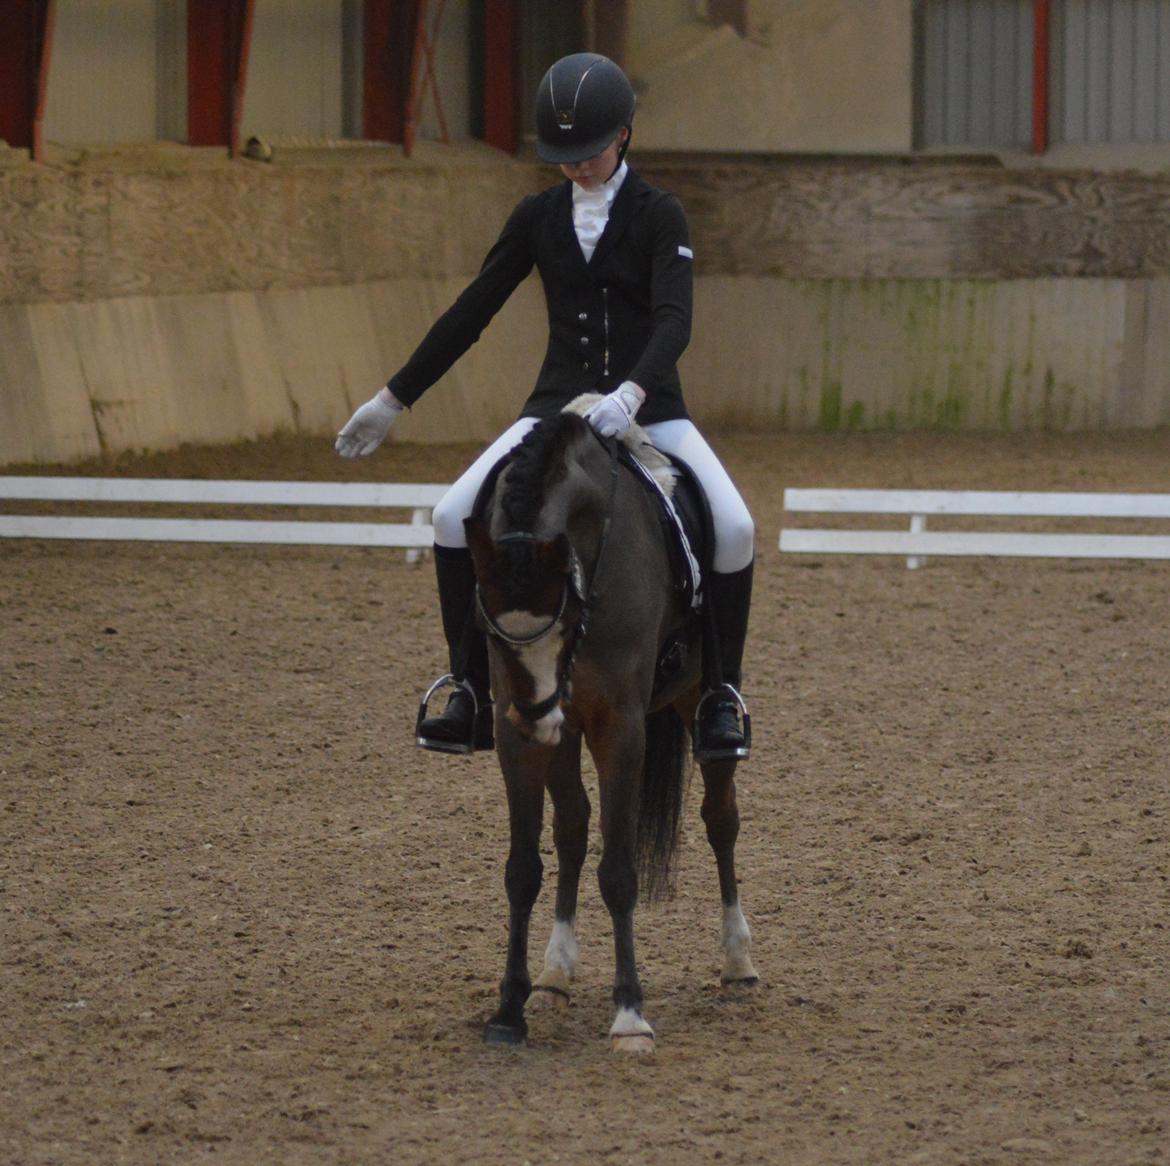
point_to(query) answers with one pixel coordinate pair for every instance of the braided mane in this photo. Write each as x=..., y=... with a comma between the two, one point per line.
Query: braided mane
x=531, y=468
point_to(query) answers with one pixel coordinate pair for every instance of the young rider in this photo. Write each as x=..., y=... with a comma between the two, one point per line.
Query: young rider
x=615, y=259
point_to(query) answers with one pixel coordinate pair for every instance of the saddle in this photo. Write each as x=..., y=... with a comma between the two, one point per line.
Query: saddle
x=688, y=531
x=685, y=518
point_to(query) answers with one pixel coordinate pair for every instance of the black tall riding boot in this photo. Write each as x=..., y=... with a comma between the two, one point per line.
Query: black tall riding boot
x=722, y=725
x=466, y=723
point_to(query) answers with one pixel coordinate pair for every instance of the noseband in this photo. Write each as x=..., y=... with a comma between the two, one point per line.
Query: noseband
x=574, y=586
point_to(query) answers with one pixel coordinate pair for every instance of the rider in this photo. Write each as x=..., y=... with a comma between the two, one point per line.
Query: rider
x=615, y=259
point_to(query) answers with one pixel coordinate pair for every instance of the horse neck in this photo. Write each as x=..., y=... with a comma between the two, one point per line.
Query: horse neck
x=571, y=496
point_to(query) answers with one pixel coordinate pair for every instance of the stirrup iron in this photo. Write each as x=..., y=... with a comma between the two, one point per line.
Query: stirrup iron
x=438, y=745
x=741, y=752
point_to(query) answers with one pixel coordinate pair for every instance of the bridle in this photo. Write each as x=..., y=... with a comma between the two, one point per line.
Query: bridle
x=574, y=587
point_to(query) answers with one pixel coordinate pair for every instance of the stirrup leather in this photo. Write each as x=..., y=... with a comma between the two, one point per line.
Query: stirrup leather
x=704, y=752
x=436, y=743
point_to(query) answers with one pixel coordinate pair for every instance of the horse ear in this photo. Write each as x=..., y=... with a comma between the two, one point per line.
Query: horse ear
x=482, y=548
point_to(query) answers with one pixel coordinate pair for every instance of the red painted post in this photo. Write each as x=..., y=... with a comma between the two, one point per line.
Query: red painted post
x=24, y=72
x=501, y=75
x=1041, y=26
x=385, y=67
x=219, y=34
x=208, y=57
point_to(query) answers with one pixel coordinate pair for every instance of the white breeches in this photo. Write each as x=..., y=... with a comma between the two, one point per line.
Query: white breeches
x=734, y=529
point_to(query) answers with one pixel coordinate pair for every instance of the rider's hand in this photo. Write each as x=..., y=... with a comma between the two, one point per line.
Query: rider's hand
x=614, y=414
x=367, y=428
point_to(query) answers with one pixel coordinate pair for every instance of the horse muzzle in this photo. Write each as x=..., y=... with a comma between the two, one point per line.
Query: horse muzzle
x=540, y=722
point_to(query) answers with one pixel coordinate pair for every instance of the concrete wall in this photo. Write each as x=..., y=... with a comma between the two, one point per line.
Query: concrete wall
x=154, y=372
x=81, y=379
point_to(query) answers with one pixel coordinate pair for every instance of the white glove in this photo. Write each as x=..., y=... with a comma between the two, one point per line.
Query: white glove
x=614, y=414
x=367, y=428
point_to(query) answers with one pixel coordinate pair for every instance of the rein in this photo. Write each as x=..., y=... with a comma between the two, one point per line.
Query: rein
x=575, y=584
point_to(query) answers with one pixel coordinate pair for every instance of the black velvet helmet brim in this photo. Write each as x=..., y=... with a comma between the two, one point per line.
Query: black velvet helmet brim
x=573, y=152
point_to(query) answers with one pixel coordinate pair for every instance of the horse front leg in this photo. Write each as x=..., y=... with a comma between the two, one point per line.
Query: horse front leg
x=571, y=836
x=619, y=765
x=524, y=769
x=721, y=816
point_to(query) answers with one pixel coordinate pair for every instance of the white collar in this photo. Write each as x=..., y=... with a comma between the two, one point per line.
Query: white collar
x=606, y=192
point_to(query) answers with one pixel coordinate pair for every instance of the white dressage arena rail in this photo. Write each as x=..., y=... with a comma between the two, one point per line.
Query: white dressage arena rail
x=919, y=542
x=419, y=498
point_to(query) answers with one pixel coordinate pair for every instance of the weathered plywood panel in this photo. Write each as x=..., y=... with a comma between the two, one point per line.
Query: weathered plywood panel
x=76, y=234
x=80, y=234
x=853, y=222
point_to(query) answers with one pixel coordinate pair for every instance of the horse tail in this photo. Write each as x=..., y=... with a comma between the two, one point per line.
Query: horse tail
x=664, y=772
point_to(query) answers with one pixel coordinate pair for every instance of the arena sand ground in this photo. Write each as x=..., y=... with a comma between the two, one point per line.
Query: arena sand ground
x=244, y=920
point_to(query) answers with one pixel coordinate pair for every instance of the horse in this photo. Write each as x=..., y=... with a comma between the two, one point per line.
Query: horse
x=579, y=601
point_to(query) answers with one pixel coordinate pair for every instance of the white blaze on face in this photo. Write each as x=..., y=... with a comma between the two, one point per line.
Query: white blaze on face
x=539, y=660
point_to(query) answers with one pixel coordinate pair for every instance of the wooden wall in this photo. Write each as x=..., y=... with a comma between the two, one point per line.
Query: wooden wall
x=923, y=220
x=145, y=303
x=79, y=233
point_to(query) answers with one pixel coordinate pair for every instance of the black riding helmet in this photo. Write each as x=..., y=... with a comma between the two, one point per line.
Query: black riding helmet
x=582, y=103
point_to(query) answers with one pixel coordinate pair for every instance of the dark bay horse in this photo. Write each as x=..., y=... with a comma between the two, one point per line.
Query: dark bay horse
x=577, y=597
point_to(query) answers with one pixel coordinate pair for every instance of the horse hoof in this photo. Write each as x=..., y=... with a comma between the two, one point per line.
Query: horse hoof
x=740, y=981
x=637, y=1044
x=506, y=1035
x=739, y=972
x=547, y=998
x=551, y=989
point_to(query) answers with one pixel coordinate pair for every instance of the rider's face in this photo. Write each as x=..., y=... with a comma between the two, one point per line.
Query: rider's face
x=590, y=174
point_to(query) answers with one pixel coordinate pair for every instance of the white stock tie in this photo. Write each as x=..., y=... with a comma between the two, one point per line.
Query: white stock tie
x=591, y=210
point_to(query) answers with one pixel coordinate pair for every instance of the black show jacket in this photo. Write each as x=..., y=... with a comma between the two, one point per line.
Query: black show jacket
x=624, y=315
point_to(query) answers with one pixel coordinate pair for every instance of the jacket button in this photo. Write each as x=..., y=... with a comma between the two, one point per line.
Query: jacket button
x=585, y=365
x=582, y=315
x=584, y=339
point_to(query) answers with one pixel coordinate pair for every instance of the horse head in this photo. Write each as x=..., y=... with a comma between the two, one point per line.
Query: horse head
x=529, y=599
